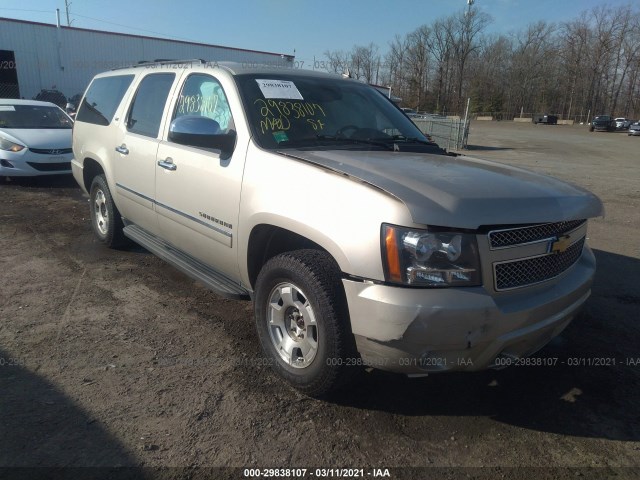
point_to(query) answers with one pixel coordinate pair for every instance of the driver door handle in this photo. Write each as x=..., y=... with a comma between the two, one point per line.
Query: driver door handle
x=122, y=149
x=168, y=164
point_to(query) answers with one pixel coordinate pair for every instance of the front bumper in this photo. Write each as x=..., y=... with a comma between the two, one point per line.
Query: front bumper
x=28, y=164
x=462, y=329
x=634, y=132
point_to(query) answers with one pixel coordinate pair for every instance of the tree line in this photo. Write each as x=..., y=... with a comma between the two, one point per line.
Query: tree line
x=589, y=65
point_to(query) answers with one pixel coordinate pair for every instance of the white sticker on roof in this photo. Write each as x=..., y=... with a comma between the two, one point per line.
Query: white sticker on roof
x=279, y=89
x=7, y=108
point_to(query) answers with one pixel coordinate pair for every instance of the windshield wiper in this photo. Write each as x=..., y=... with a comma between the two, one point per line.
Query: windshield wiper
x=377, y=143
x=406, y=139
x=386, y=143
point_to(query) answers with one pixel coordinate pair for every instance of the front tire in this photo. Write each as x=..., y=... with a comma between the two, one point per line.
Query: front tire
x=303, y=321
x=105, y=217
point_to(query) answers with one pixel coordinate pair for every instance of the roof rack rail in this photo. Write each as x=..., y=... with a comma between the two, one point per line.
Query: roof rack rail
x=161, y=61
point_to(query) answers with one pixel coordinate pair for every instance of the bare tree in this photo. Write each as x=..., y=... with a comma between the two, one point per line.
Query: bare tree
x=441, y=48
x=365, y=61
x=591, y=63
x=489, y=76
x=337, y=61
x=418, y=65
x=395, y=66
x=468, y=26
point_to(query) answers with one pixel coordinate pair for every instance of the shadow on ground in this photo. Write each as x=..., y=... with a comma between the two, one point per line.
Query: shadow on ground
x=570, y=398
x=42, y=427
x=482, y=148
x=45, y=181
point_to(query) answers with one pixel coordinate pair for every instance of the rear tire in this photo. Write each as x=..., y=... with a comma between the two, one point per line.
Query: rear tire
x=303, y=322
x=105, y=218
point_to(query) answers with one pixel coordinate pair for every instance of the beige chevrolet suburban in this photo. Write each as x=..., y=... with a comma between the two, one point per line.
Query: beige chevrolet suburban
x=358, y=240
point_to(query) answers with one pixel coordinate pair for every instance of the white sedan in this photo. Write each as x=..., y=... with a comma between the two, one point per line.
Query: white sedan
x=622, y=123
x=35, y=139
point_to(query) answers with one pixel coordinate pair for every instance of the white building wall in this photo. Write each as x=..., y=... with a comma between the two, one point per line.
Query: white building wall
x=68, y=58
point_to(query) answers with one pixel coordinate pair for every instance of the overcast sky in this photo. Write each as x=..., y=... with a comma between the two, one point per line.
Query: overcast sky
x=309, y=27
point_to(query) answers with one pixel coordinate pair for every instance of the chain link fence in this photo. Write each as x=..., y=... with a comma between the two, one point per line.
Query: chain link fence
x=9, y=90
x=448, y=133
x=577, y=118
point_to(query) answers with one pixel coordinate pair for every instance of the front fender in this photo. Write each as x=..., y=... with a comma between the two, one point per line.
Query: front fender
x=340, y=214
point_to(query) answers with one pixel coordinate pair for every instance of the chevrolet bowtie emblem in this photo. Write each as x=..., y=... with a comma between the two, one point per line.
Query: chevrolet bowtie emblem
x=560, y=245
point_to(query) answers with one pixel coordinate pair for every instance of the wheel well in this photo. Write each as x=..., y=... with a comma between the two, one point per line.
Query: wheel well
x=267, y=241
x=90, y=170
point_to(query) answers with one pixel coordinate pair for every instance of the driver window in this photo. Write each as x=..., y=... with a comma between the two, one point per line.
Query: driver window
x=203, y=96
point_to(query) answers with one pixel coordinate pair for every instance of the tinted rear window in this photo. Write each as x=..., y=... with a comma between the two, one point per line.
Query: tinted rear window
x=102, y=99
x=147, y=108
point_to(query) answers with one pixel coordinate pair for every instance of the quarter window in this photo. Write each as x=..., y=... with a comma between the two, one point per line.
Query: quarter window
x=101, y=101
x=146, y=111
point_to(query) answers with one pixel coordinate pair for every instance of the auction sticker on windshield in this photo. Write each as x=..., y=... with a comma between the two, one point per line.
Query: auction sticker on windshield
x=279, y=89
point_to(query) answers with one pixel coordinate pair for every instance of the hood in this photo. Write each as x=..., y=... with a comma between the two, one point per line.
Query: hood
x=461, y=192
x=53, y=138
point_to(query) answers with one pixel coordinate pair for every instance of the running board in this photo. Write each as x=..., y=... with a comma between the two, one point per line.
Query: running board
x=188, y=265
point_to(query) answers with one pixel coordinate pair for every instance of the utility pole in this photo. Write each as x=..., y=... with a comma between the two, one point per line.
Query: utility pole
x=67, y=4
x=469, y=5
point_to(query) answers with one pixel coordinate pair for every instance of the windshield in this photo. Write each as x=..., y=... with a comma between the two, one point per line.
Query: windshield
x=291, y=111
x=602, y=117
x=33, y=116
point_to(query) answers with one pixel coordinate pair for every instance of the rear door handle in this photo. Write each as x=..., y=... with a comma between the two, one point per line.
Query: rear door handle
x=122, y=149
x=167, y=164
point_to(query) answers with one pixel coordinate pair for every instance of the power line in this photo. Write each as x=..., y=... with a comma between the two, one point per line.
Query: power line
x=105, y=21
x=26, y=10
x=134, y=28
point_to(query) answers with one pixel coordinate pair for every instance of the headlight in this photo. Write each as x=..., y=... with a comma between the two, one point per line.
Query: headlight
x=10, y=146
x=434, y=259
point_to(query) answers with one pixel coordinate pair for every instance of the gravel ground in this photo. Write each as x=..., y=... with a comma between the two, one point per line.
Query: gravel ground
x=113, y=358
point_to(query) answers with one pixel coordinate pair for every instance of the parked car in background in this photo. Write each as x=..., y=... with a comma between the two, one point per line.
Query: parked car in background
x=622, y=123
x=411, y=113
x=35, y=139
x=70, y=110
x=53, y=96
x=634, y=129
x=602, y=123
x=545, y=119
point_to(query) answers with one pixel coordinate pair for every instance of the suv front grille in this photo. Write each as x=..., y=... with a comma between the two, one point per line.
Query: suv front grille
x=521, y=235
x=520, y=273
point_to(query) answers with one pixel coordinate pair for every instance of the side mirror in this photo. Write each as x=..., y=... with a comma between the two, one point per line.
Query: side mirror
x=203, y=132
